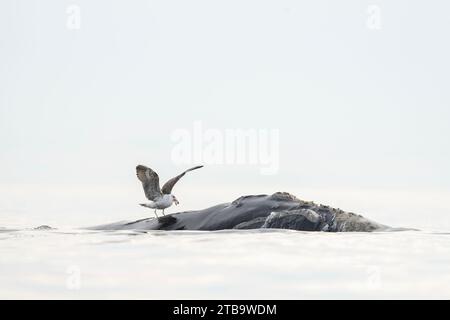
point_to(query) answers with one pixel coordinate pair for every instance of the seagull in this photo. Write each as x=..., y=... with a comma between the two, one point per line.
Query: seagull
x=159, y=198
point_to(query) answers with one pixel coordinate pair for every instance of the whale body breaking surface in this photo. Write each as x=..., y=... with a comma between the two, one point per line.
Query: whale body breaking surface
x=280, y=210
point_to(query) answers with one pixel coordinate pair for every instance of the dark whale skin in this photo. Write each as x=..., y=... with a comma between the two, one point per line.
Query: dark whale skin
x=280, y=210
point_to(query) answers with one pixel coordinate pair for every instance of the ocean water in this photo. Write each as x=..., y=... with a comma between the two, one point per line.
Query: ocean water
x=253, y=264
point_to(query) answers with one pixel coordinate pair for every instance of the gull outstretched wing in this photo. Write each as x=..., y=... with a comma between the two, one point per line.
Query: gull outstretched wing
x=150, y=182
x=167, y=187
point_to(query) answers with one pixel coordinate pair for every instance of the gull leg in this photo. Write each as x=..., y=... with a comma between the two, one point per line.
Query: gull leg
x=156, y=214
x=163, y=213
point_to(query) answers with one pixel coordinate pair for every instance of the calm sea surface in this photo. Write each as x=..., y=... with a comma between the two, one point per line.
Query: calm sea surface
x=258, y=264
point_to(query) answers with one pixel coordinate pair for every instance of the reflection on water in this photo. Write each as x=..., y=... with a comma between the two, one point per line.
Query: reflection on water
x=50, y=263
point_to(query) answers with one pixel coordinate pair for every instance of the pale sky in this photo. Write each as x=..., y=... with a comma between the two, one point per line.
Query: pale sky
x=362, y=113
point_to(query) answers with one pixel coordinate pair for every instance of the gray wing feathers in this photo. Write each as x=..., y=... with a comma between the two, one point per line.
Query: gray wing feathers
x=167, y=187
x=150, y=182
